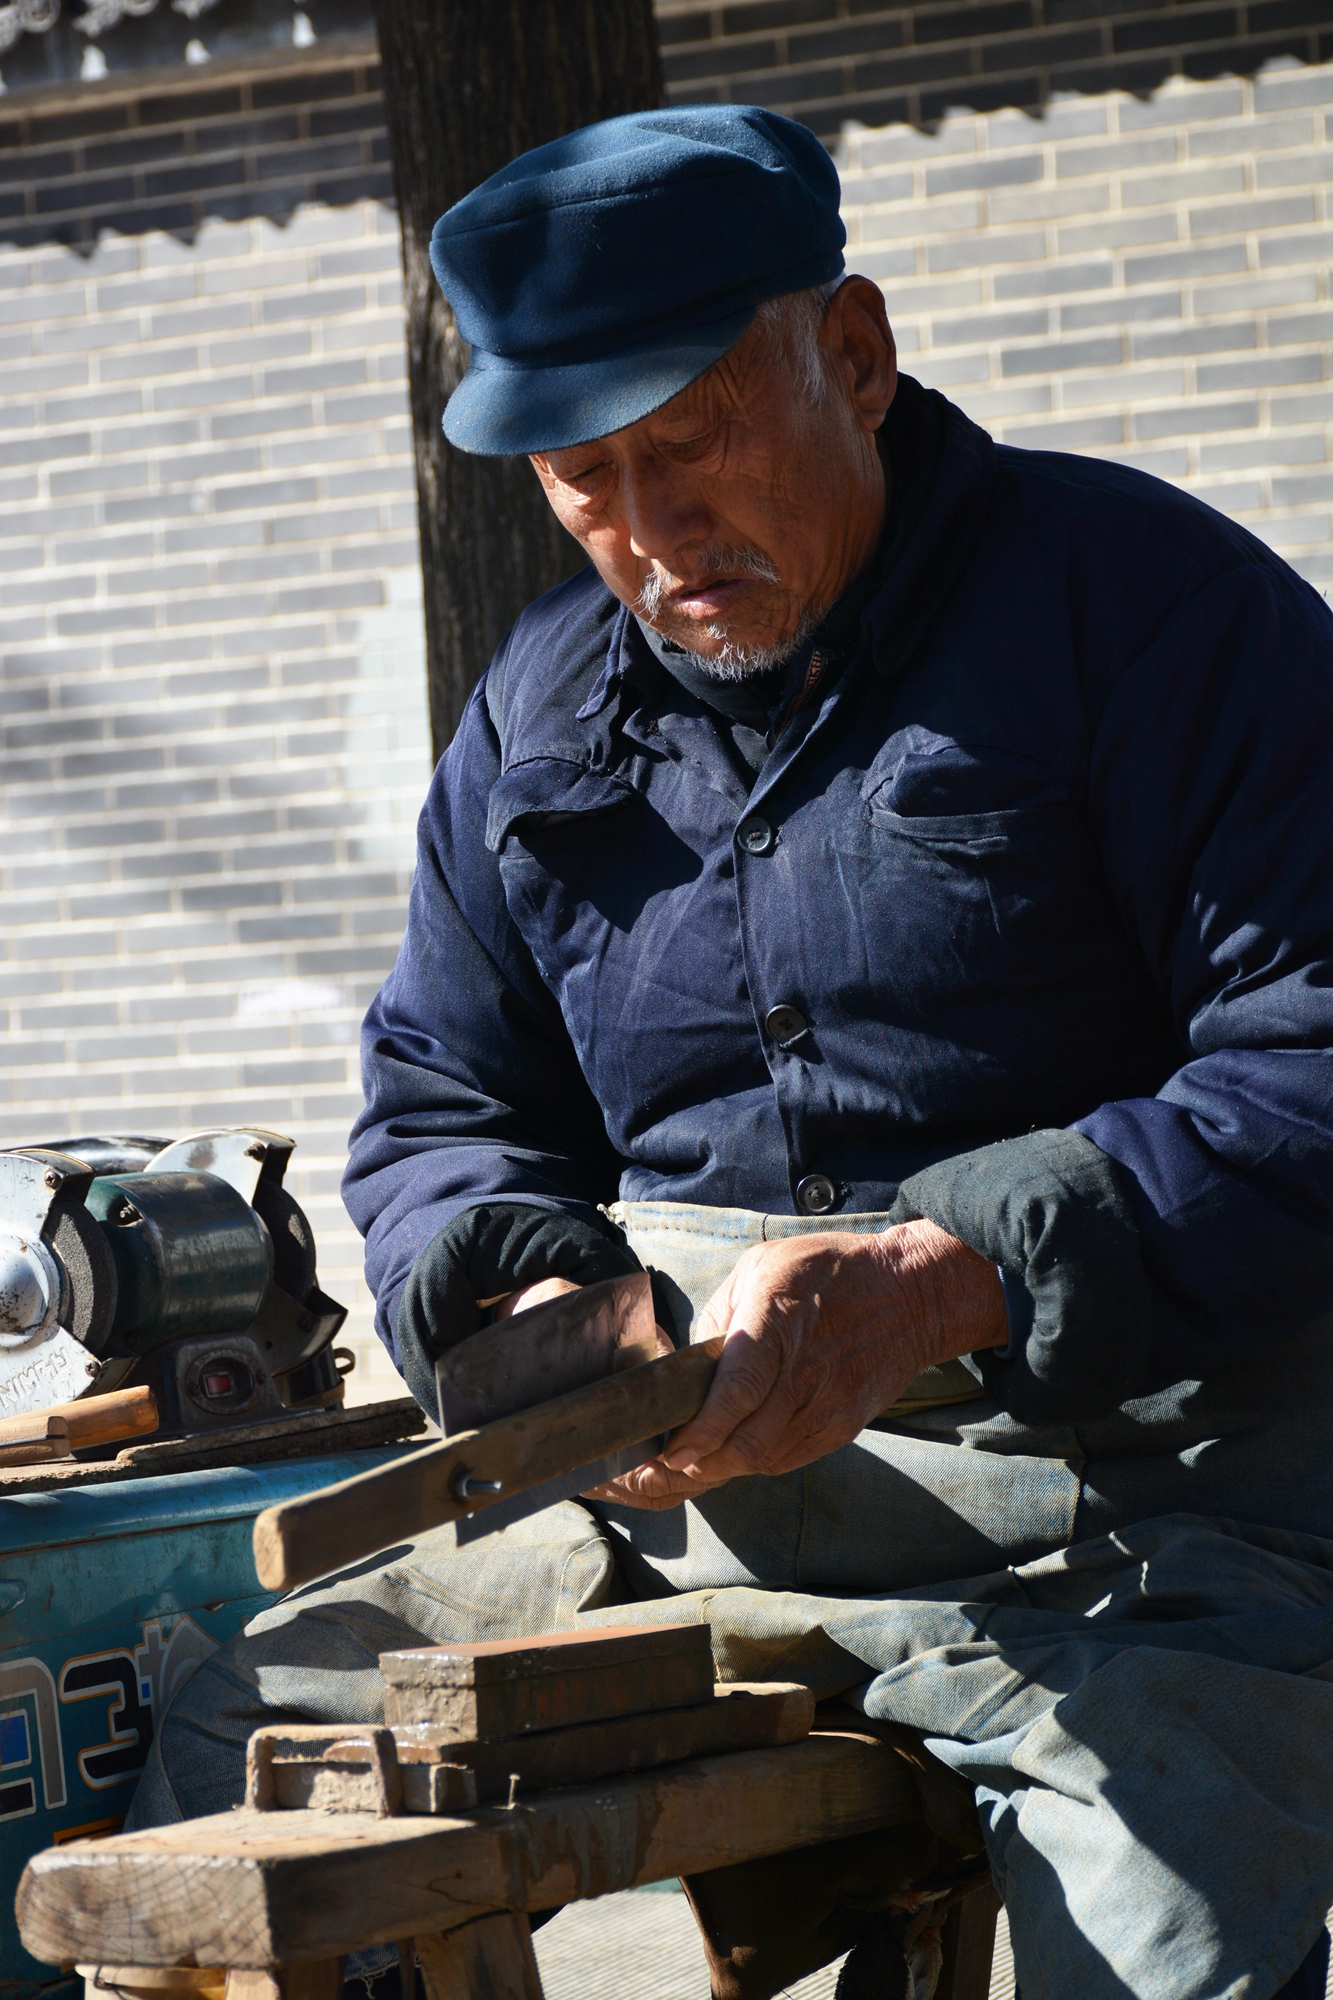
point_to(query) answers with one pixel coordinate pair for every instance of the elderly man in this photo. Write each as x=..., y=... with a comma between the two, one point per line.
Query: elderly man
x=886, y=894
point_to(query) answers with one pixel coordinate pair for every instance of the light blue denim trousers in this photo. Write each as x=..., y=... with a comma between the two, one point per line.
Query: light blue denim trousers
x=1122, y=1632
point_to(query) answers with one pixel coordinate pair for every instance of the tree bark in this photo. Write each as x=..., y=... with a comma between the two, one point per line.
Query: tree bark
x=468, y=85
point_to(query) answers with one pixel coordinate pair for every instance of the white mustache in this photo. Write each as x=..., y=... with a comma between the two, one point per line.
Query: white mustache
x=718, y=560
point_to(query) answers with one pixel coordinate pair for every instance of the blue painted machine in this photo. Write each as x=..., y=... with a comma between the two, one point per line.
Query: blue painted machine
x=188, y=1268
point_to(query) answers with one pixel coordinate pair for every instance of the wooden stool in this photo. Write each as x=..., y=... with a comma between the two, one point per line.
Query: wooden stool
x=472, y=1806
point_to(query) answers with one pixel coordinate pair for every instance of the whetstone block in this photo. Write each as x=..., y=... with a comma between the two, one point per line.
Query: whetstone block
x=742, y=1716
x=498, y=1688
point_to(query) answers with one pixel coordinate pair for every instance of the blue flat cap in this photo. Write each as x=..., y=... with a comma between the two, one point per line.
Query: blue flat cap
x=598, y=276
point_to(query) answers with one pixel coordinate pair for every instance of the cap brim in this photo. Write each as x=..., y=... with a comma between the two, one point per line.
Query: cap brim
x=502, y=407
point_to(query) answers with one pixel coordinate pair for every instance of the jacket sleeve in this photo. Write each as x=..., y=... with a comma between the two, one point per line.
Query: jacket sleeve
x=473, y=1091
x=1163, y=1238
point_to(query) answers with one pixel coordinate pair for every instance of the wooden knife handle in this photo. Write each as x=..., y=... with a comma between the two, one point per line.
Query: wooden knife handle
x=92, y=1420
x=322, y=1531
x=109, y=1419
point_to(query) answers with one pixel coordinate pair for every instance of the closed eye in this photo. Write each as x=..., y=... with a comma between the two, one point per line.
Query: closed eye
x=692, y=447
x=582, y=474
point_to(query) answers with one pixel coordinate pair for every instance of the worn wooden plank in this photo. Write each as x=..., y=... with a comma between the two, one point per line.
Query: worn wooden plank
x=322, y=1767
x=510, y=1687
x=489, y=1959
x=321, y=1531
x=259, y=1889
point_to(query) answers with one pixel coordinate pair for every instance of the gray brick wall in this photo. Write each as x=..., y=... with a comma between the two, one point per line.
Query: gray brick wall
x=828, y=61
x=1142, y=276
x=211, y=671
x=211, y=676
x=1142, y=280
x=1100, y=227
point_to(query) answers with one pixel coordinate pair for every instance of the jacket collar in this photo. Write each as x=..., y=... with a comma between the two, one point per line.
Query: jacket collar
x=938, y=536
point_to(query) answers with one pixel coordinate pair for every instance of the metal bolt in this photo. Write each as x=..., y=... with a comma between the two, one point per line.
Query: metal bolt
x=514, y=1778
x=53, y=1178
x=466, y=1487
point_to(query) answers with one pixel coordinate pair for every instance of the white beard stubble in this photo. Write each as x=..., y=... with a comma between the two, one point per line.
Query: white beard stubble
x=734, y=662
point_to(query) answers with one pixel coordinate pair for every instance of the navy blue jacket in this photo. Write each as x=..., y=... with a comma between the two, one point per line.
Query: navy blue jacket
x=1051, y=888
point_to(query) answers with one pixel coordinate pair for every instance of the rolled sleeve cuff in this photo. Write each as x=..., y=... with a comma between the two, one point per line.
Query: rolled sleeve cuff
x=1053, y=1212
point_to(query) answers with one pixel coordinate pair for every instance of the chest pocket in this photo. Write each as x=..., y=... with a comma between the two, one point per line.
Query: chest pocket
x=973, y=862
x=582, y=853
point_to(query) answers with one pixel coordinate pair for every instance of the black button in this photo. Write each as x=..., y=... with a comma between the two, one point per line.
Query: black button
x=756, y=836
x=784, y=1024
x=816, y=1194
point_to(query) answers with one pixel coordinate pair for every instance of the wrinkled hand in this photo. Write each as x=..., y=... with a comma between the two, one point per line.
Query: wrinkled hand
x=823, y=1333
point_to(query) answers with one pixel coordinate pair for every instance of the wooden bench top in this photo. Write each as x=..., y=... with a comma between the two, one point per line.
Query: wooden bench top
x=263, y=1889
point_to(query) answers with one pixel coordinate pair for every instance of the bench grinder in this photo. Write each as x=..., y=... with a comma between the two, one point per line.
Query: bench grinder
x=186, y=1266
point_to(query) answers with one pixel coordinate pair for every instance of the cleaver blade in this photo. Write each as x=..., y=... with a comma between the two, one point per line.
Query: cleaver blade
x=527, y=1360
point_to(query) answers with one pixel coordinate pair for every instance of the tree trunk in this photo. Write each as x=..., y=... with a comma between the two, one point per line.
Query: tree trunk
x=468, y=85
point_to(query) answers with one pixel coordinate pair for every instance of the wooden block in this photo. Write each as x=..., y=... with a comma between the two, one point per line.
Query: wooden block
x=740, y=1716
x=489, y=1959
x=268, y=1889
x=47, y=1451
x=316, y=1767
x=41, y=1435
x=509, y=1687
x=32, y=1427
x=338, y=1770
x=312, y=1767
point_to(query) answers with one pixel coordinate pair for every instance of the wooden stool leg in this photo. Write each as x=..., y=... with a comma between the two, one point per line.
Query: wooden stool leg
x=969, y=1946
x=489, y=1959
x=317, y=1979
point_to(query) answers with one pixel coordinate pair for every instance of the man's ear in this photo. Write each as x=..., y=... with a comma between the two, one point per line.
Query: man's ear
x=856, y=331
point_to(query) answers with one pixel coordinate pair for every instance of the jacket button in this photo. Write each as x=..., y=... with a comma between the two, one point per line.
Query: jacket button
x=756, y=836
x=784, y=1024
x=816, y=1194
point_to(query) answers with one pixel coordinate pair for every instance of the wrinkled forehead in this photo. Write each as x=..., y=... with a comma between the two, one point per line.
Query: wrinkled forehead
x=729, y=387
